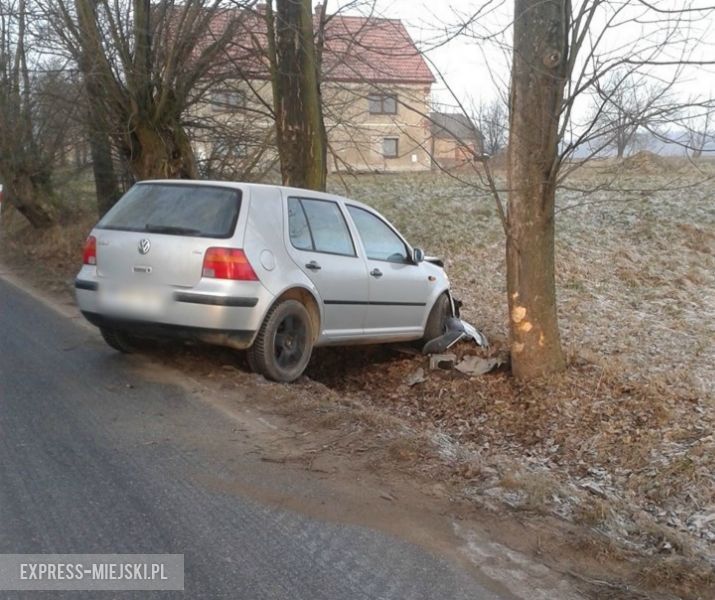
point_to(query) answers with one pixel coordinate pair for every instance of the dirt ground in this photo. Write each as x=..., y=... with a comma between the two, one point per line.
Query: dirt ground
x=619, y=451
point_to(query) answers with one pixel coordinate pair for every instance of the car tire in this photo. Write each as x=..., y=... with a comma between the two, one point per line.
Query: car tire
x=282, y=348
x=119, y=340
x=251, y=360
x=437, y=320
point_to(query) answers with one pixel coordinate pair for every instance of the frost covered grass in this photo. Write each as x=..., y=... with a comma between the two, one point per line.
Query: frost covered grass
x=623, y=441
x=635, y=269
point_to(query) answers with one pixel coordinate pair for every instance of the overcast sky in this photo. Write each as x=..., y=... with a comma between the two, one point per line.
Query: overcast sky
x=464, y=63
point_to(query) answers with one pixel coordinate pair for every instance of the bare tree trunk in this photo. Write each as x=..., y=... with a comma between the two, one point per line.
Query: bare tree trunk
x=300, y=128
x=25, y=173
x=31, y=199
x=105, y=179
x=537, y=87
x=161, y=153
x=147, y=130
x=700, y=141
x=620, y=149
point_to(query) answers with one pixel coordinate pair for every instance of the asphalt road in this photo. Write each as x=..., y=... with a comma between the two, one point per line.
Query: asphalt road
x=95, y=459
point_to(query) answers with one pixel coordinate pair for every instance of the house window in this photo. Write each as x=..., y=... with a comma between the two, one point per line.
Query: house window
x=382, y=104
x=227, y=99
x=390, y=147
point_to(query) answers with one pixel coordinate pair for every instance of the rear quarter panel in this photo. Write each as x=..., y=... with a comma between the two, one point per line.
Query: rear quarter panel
x=263, y=243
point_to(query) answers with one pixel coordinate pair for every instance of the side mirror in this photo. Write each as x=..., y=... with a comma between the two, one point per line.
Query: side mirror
x=418, y=255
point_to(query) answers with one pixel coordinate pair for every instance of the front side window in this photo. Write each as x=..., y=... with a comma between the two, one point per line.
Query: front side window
x=380, y=241
x=382, y=104
x=318, y=225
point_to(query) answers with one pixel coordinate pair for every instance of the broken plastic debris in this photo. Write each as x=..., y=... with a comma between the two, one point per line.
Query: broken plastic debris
x=476, y=365
x=417, y=376
x=442, y=343
x=442, y=361
x=472, y=332
x=457, y=330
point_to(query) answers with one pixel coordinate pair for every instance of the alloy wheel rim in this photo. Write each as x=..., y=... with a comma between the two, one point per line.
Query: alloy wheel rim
x=290, y=342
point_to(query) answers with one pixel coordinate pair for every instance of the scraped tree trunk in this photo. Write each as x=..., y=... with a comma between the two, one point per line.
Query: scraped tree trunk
x=537, y=86
x=300, y=129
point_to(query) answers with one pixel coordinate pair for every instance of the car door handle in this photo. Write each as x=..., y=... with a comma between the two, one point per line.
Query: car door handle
x=376, y=273
x=313, y=266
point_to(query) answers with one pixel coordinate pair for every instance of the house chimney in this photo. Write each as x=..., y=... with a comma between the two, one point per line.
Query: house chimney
x=318, y=9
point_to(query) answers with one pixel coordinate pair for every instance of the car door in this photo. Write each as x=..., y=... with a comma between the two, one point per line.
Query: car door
x=398, y=288
x=320, y=243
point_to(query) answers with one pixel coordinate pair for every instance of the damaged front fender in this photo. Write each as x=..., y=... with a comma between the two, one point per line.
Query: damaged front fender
x=455, y=330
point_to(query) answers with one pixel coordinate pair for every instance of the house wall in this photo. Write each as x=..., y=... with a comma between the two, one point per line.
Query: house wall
x=355, y=135
x=448, y=153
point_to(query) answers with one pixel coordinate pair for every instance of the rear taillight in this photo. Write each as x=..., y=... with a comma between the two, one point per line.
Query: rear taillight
x=227, y=263
x=89, y=256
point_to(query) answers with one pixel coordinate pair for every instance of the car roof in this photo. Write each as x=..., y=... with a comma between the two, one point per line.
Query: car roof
x=244, y=185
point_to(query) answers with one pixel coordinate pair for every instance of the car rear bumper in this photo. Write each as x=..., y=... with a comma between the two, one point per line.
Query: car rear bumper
x=234, y=338
x=215, y=311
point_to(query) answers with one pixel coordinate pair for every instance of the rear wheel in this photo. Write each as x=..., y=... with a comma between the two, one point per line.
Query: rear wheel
x=437, y=320
x=119, y=340
x=283, y=346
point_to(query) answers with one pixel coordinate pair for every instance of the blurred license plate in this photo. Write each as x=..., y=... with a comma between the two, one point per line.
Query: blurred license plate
x=132, y=301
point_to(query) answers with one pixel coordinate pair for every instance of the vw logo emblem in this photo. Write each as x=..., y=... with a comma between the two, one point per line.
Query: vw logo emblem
x=144, y=246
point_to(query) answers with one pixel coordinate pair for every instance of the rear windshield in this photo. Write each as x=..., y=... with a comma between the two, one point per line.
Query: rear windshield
x=190, y=210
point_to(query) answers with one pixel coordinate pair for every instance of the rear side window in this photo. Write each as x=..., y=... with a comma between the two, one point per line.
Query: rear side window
x=190, y=210
x=300, y=235
x=319, y=226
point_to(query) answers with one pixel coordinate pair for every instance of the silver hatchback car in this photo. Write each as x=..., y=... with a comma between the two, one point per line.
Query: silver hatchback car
x=270, y=269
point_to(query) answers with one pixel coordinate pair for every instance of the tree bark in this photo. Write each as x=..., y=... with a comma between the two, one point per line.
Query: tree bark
x=147, y=131
x=160, y=153
x=31, y=199
x=105, y=178
x=538, y=77
x=300, y=129
x=25, y=171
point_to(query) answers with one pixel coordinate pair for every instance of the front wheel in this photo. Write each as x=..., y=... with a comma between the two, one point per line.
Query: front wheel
x=437, y=320
x=282, y=349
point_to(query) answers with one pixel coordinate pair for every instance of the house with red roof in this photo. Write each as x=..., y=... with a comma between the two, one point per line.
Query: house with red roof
x=375, y=87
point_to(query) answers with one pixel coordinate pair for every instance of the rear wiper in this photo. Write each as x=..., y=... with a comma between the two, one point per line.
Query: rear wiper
x=170, y=229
